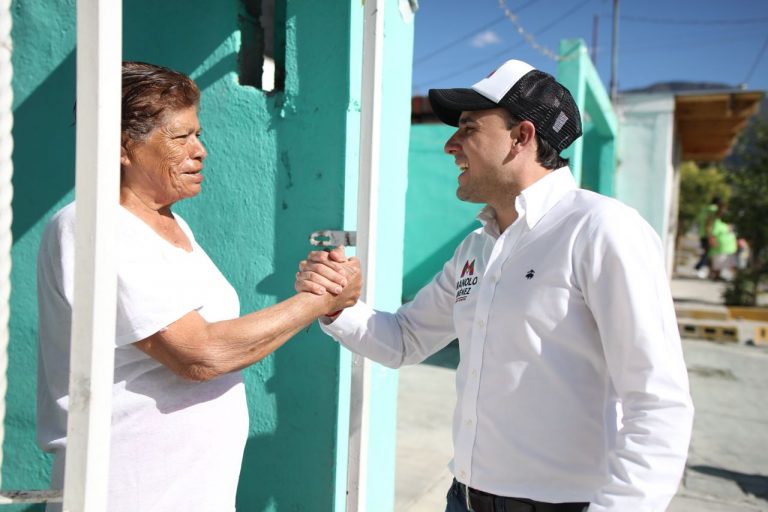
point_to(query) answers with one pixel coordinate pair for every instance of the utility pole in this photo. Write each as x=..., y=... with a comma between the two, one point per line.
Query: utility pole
x=593, y=50
x=614, y=52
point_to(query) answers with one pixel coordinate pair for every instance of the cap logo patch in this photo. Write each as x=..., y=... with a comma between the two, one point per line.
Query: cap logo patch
x=560, y=121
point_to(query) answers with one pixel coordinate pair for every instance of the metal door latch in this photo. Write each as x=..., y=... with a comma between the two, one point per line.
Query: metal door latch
x=333, y=238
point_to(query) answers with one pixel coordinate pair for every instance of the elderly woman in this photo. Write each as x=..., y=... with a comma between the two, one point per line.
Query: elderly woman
x=179, y=417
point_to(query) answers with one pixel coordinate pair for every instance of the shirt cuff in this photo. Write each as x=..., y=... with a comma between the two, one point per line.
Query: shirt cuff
x=348, y=322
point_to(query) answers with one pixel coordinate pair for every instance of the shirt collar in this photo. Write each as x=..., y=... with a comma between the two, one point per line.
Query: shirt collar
x=487, y=217
x=535, y=201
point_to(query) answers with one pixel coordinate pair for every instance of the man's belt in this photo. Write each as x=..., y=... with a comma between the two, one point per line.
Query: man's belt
x=479, y=501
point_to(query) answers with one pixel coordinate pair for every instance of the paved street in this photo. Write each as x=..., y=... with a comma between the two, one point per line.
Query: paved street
x=727, y=466
x=728, y=461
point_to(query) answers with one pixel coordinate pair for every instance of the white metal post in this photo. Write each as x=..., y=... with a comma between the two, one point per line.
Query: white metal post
x=367, y=207
x=99, y=52
x=6, y=194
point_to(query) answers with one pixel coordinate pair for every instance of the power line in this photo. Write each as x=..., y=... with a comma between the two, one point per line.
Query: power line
x=467, y=36
x=757, y=61
x=508, y=49
x=529, y=38
x=673, y=21
x=459, y=40
x=543, y=29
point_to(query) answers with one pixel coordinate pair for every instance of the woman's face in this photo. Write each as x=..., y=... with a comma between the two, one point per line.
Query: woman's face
x=167, y=166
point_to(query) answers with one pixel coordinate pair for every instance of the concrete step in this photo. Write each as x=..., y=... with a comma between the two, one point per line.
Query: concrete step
x=757, y=314
x=711, y=330
x=723, y=331
x=720, y=314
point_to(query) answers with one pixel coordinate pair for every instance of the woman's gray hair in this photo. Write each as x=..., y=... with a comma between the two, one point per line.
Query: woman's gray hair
x=149, y=91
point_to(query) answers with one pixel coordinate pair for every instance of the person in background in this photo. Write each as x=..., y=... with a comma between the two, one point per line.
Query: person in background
x=704, y=221
x=179, y=415
x=723, y=246
x=572, y=392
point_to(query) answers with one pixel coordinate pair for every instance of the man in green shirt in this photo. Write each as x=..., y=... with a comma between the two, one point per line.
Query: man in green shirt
x=704, y=220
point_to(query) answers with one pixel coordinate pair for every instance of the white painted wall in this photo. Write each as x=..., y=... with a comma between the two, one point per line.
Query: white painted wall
x=645, y=175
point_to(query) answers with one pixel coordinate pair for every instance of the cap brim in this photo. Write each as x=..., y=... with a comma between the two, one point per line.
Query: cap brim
x=448, y=104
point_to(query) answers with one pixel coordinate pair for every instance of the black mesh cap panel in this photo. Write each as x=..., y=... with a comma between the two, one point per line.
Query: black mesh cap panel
x=537, y=97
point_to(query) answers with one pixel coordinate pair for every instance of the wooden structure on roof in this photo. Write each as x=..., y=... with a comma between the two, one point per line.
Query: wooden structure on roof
x=708, y=123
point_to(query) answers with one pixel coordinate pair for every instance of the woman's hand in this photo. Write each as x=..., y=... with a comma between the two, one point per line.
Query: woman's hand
x=331, y=272
x=322, y=272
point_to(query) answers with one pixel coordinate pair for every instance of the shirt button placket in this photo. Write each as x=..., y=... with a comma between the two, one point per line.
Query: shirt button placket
x=468, y=428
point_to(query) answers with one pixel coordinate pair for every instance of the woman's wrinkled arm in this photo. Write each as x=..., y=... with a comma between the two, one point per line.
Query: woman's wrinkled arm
x=199, y=350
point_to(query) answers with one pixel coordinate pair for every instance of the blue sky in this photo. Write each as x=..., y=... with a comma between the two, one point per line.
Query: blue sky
x=458, y=42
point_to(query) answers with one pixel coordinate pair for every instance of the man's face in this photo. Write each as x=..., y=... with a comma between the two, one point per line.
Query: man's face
x=481, y=148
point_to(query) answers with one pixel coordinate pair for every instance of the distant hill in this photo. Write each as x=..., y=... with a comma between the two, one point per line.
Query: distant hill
x=682, y=86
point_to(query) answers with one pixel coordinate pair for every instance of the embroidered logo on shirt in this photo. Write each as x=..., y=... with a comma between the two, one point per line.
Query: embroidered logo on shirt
x=466, y=281
x=530, y=274
x=469, y=268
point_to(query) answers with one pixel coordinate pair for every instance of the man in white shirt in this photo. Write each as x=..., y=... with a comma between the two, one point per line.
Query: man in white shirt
x=572, y=389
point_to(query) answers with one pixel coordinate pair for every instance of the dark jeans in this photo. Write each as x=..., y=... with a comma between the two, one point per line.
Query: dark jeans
x=704, y=260
x=455, y=502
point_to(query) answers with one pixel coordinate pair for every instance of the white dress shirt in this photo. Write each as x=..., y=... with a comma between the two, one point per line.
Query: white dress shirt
x=571, y=384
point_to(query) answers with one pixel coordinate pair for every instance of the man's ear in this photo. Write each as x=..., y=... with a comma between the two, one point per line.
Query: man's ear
x=527, y=133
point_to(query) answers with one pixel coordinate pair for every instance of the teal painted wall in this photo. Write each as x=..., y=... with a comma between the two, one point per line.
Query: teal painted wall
x=593, y=156
x=436, y=220
x=44, y=93
x=280, y=166
x=646, y=174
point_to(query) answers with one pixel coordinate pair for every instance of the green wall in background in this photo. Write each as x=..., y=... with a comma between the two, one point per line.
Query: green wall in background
x=43, y=158
x=280, y=166
x=593, y=156
x=437, y=221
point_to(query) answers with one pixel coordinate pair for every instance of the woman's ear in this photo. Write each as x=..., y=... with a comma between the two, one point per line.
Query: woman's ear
x=124, y=158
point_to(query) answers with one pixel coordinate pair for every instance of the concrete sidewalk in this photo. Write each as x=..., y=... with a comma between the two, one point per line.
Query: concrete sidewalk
x=727, y=468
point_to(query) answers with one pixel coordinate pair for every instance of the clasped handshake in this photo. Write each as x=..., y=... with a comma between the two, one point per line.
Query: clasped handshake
x=332, y=274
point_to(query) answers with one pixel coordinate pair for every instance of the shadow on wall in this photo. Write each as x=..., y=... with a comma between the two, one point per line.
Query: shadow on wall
x=289, y=459
x=44, y=124
x=293, y=467
x=44, y=147
x=44, y=160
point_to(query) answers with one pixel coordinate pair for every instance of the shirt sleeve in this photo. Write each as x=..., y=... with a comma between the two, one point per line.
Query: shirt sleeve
x=627, y=290
x=152, y=296
x=156, y=285
x=153, y=289
x=417, y=330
